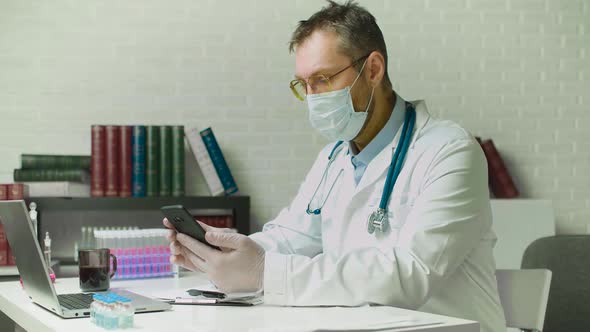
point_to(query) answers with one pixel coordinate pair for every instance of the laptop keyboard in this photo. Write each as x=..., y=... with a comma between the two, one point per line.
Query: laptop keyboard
x=75, y=301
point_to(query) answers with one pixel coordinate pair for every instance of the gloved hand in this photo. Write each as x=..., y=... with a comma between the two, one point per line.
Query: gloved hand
x=180, y=256
x=239, y=267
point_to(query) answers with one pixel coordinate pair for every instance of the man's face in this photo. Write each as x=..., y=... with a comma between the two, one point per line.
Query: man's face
x=319, y=54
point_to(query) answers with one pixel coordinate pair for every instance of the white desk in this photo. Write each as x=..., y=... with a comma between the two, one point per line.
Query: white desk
x=16, y=305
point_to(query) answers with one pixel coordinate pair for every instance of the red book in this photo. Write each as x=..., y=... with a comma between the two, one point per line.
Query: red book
x=97, y=182
x=112, y=165
x=10, y=256
x=229, y=221
x=17, y=191
x=125, y=164
x=500, y=180
x=3, y=192
x=3, y=247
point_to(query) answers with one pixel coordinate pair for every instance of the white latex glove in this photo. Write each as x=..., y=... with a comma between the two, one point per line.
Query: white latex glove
x=179, y=254
x=239, y=267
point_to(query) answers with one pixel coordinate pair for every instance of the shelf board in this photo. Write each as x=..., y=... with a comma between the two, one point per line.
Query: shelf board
x=139, y=203
x=8, y=271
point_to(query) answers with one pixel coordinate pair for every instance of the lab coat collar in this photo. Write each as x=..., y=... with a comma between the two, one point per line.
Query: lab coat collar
x=382, y=161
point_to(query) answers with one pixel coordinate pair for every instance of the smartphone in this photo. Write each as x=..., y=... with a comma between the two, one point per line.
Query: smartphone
x=184, y=223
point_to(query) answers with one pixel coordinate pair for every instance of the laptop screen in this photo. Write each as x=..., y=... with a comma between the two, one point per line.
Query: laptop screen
x=29, y=257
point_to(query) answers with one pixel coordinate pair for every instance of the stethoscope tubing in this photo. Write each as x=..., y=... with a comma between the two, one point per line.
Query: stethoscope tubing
x=393, y=172
x=394, y=169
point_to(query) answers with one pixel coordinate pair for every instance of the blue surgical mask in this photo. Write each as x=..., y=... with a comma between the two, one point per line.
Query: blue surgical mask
x=333, y=115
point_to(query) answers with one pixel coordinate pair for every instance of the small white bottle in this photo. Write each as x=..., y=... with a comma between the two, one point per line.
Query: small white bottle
x=94, y=308
x=128, y=313
x=47, y=253
x=33, y=215
x=111, y=320
x=97, y=310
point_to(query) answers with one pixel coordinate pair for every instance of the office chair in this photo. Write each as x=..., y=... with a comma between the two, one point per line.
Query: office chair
x=523, y=294
x=568, y=258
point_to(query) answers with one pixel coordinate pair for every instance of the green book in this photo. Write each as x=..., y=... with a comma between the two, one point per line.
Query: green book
x=178, y=161
x=42, y=175
x=152, y=158
x=44, y=161
x=165, y=160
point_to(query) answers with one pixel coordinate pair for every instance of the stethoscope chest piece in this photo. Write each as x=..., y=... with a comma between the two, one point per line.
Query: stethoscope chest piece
x=378, y=220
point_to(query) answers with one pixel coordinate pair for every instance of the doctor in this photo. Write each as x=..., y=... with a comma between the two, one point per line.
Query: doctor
x=396, y=214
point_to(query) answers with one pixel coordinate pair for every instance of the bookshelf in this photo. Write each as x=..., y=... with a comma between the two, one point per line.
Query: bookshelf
x=63, y=217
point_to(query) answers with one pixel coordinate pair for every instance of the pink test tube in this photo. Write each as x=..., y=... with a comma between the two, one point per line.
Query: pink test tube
x=148, y=262
x=133, y=263
x=140, y=259
x=155, y=261
x=127, y=263
x=167, y=259
x=120, y=263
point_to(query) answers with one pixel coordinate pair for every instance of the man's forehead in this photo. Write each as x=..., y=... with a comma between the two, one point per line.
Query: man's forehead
x=320, y=51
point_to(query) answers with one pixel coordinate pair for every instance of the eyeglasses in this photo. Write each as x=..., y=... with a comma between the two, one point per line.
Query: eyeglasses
x=319, y=83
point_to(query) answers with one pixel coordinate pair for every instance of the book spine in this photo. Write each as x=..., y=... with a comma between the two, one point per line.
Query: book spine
x=6, y=257
x=3, y=247
x=152, y=165
x=17, y=191
x=4, y=252
x=200, y=153
x=204, y=219
x=165, y=160
x=229, y=184
x=97, y=183
x=10, y=256
x=112, y=161
x=500, y=181
x=228, y=221
x=126, y=164
x=138, y=157
x=3, y=192
x=41, y=175
x=29, y=161
x=177, y=161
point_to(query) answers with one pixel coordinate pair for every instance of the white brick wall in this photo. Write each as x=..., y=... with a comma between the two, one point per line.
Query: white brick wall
x=513, y=70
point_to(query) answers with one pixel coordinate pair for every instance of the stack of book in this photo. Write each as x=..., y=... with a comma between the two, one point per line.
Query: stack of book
x=137, y=161
x=10, y=191
x=500, y=181
x=211, y=161
x=54, y=175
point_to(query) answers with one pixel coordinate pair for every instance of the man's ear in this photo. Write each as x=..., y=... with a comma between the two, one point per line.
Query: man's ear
x=375, y=69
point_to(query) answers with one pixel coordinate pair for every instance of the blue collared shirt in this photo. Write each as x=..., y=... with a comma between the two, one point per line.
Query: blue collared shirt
x=383, y=138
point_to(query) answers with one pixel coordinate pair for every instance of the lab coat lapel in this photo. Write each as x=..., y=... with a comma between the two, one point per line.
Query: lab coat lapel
x=380, y=164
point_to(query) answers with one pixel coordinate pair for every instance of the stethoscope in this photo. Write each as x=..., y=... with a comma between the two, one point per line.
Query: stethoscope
x=378, y=219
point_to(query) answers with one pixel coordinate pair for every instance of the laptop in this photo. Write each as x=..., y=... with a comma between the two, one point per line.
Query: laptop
x=33, y=270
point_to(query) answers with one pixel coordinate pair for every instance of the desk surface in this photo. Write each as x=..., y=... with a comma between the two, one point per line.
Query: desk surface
x=16, y=305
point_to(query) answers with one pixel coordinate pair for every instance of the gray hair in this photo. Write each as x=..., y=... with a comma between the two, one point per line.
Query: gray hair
x=356, y=28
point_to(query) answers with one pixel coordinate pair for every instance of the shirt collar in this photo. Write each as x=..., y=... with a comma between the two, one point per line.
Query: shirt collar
x=385, y=135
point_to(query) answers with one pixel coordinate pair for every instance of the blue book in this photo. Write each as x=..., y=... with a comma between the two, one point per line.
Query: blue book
x=227, y=180
x=138, y=161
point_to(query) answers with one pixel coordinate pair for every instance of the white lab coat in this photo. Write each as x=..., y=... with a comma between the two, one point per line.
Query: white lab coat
x=437, y=256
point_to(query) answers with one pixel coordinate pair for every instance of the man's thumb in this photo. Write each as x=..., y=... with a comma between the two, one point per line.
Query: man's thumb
x=223, y=239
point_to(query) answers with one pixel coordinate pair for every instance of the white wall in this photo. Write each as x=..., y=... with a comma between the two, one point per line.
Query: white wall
x=517, y=71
